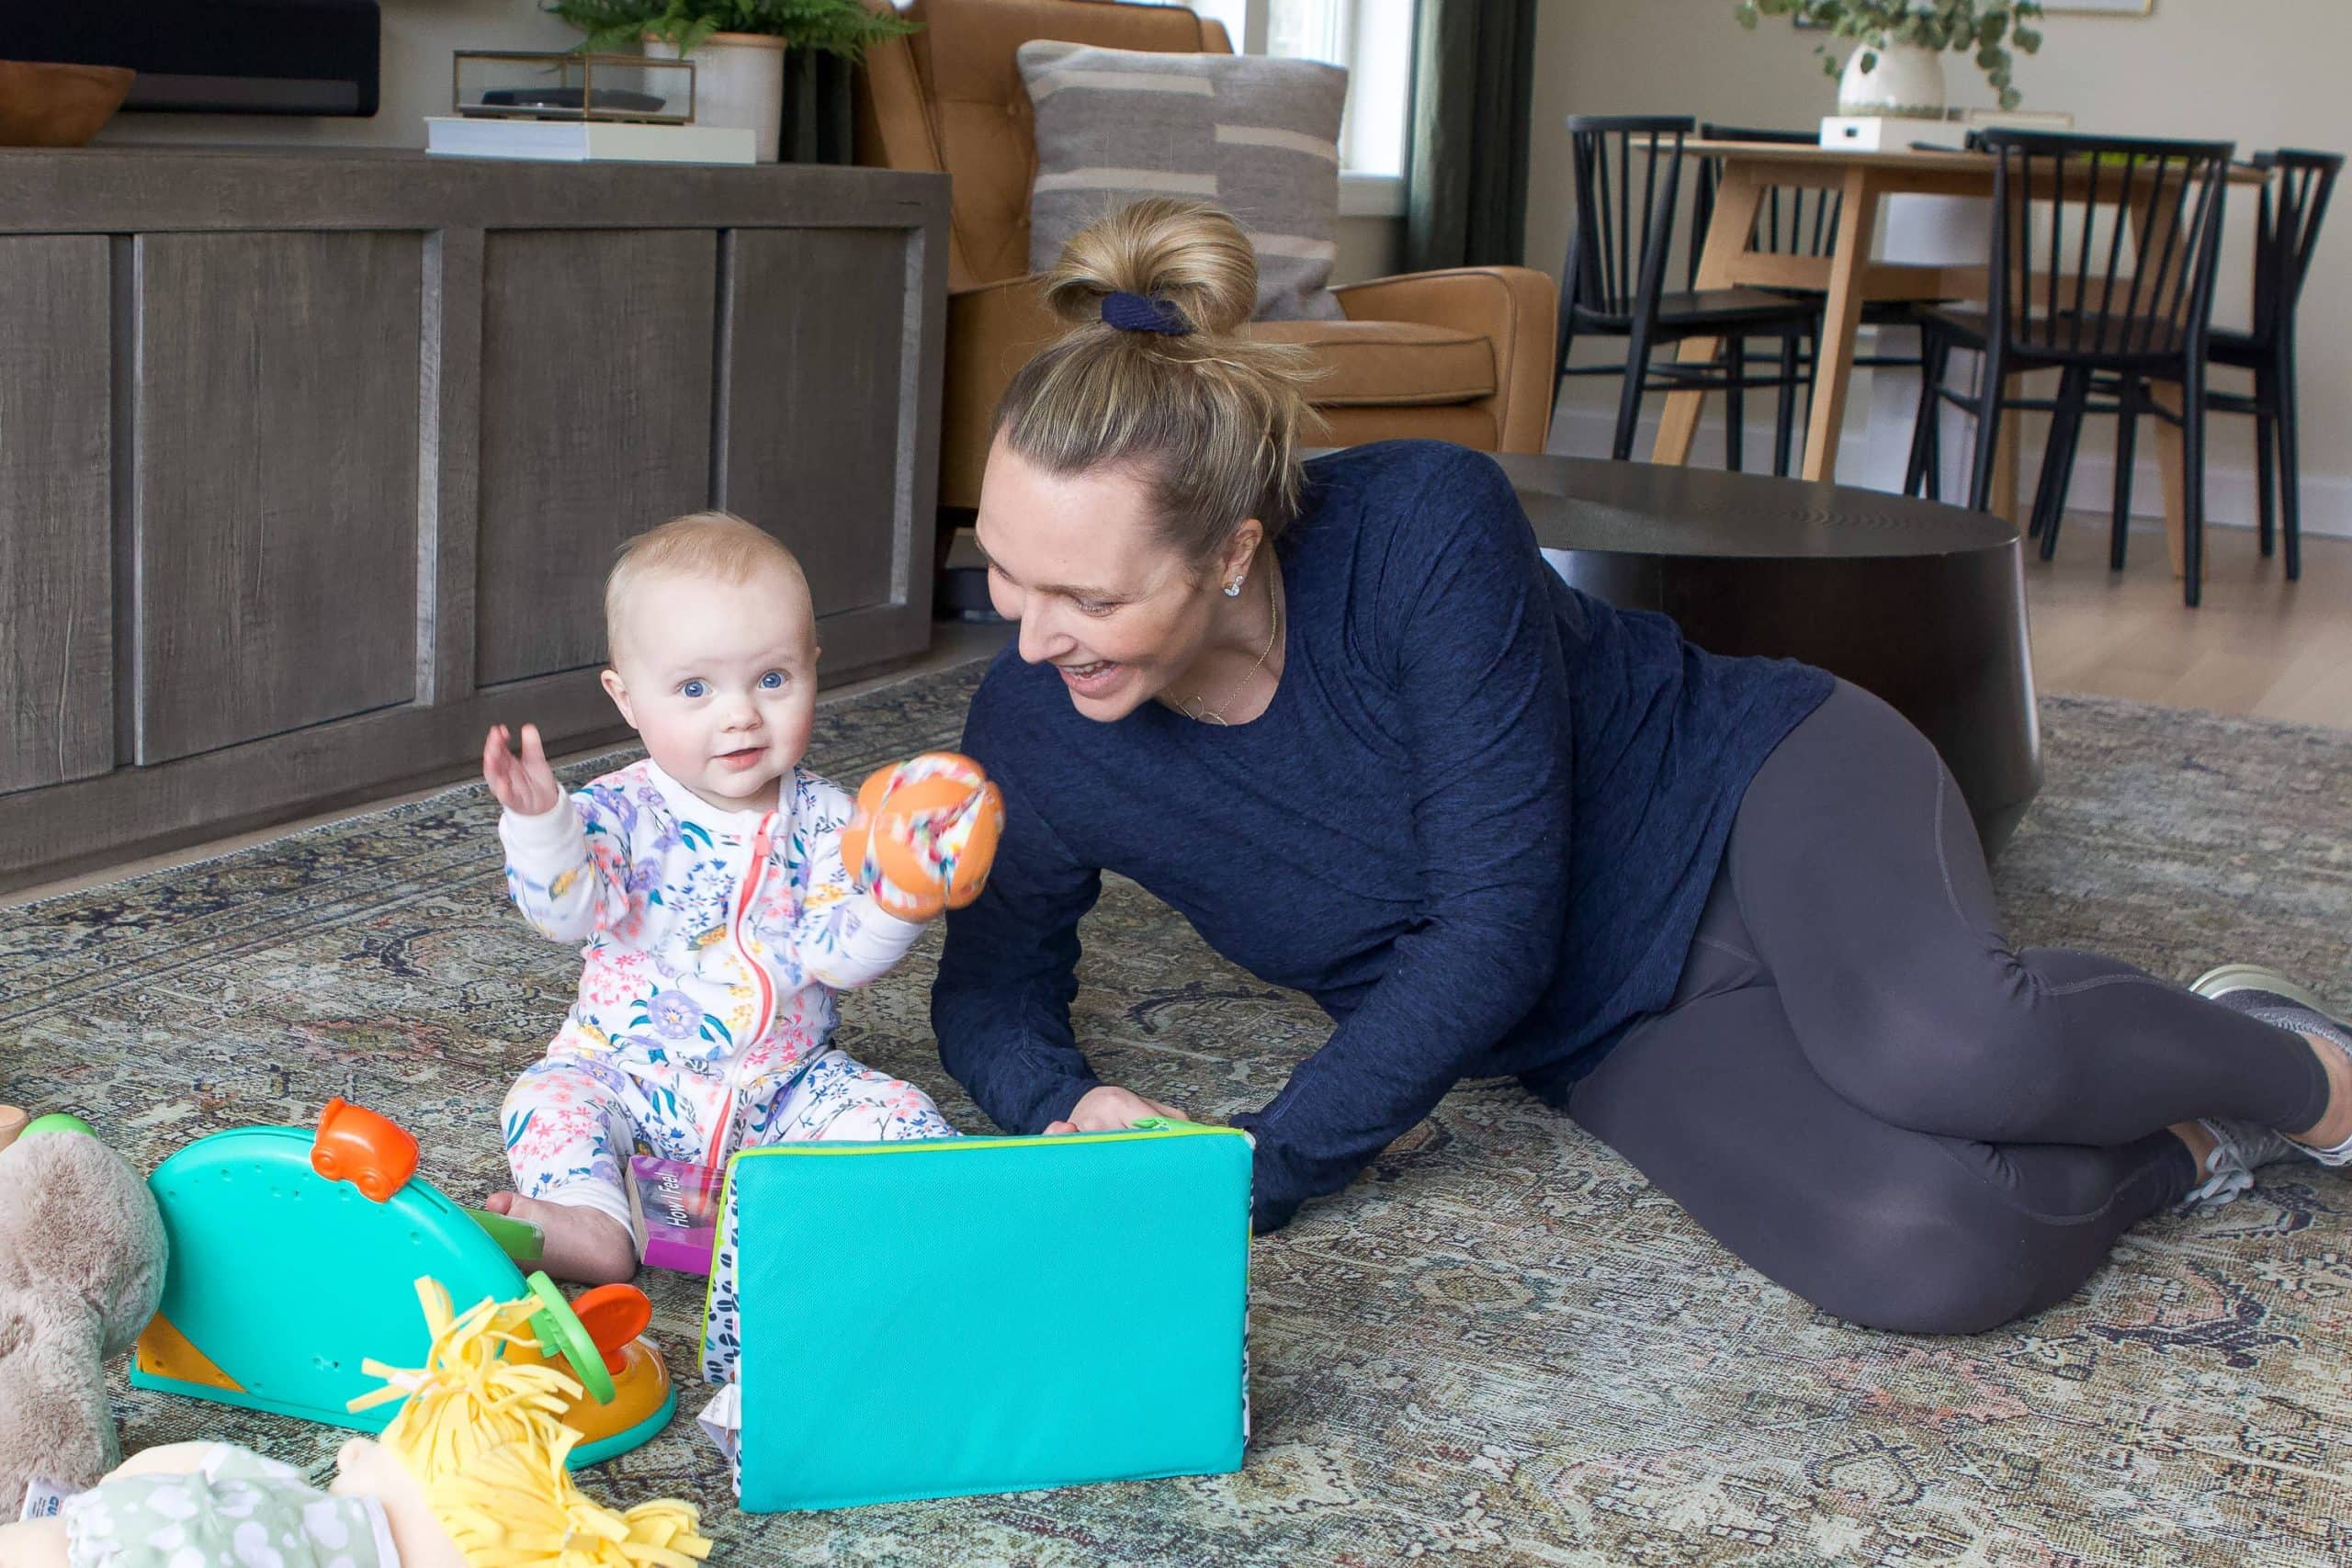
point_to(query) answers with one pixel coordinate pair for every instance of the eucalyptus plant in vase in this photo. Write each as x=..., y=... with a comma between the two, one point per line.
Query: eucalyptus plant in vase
x=1896, y=67
x=737, y=46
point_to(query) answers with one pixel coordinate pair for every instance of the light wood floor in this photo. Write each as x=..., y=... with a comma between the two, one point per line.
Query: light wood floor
x=2258, y=644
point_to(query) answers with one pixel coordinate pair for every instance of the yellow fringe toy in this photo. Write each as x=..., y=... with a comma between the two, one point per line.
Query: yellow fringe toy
x=469, y=1474
x=481, y=1433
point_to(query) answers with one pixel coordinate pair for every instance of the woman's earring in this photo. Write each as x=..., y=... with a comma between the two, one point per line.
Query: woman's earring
x=1233, y=589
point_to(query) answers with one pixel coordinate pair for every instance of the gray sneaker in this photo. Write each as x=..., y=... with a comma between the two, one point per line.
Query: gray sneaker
x=2240, y=1148
x=2268, y=996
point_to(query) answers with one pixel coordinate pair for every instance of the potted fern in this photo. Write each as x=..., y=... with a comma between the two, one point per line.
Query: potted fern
x=1896, y=68
x=737, y=46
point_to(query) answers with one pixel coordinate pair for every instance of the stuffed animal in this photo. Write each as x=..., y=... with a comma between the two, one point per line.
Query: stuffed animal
x=924, y=833
x=82, y=1257
x=471, y=1473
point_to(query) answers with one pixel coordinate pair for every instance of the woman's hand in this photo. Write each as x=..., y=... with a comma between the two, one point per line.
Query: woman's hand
x=524, y=784
x=1104, y=1109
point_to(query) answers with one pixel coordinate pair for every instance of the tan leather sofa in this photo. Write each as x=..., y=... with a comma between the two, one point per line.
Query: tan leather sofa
x=1464, y=355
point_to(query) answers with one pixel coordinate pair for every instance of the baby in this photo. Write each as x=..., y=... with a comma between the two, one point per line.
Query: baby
x=708, y=886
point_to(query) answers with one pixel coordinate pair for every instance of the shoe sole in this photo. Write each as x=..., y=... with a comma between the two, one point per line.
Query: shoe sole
x=2230, y=977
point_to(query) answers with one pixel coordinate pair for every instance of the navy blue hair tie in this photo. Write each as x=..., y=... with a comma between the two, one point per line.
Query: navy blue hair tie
x=1136, y=313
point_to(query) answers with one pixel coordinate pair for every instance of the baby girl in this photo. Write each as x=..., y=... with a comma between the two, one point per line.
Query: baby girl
x=708, y=886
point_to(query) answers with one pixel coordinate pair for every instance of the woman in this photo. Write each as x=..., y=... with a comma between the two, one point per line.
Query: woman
x=1729, y=915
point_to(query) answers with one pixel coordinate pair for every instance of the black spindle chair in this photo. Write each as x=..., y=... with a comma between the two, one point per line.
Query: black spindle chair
x=1628, y=180
x=2102, y=266
x=2294, y=204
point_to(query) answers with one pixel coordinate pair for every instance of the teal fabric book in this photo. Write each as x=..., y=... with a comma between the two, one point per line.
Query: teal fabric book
x=941, y=1318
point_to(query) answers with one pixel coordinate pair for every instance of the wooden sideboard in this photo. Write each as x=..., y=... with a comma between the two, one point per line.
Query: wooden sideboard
x=311, y=464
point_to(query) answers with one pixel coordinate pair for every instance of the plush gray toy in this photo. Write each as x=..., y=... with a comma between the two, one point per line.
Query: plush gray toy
x=82, y=1258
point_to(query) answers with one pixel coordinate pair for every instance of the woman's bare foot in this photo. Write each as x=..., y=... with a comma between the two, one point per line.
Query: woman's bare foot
x=585, y=1245
x=2330, y=1130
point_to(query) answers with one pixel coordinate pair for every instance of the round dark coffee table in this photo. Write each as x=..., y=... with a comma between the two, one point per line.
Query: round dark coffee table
x=1922, y=604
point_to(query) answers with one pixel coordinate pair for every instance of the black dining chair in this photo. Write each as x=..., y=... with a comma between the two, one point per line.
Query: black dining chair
x=1613, y=283
x=2294, y=205
x=2102, y=266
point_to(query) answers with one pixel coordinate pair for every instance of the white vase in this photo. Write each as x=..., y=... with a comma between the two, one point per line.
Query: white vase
x=1905, y=82
x=739, y=81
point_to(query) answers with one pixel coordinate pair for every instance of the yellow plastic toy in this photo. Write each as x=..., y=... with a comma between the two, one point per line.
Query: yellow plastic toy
x=473, y=1471
x=482, y=1430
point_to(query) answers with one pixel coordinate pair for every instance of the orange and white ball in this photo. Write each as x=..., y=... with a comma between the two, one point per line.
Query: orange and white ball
x=923, y=834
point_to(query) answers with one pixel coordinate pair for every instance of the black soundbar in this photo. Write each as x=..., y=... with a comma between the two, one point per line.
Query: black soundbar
x=305, y=57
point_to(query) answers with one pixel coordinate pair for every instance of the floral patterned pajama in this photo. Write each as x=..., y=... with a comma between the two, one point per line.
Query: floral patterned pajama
x=712, y=945
x=571, y=1123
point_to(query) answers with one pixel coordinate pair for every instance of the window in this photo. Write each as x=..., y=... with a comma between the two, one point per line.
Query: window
x=1373, y=39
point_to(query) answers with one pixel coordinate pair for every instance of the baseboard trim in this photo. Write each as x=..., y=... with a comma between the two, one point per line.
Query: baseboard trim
x=2230, y=493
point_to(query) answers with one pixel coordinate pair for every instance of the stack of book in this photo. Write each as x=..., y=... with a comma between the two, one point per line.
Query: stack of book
x=1895, y=133
x=586, y=140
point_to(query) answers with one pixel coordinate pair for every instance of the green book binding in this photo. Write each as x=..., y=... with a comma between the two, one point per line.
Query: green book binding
x=964, y=1316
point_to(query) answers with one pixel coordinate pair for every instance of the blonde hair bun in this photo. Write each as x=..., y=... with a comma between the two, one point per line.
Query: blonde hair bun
x=1211, y=418
x=1188, y=254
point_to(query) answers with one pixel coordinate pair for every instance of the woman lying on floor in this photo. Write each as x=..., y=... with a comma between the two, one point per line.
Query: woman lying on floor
x=1729, y=915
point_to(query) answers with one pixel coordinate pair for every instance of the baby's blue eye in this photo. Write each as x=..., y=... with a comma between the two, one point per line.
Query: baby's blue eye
x=772, y=680
x=694, y=690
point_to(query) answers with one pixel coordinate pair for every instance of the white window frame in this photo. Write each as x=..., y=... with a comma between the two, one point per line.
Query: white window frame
x=1360, y=195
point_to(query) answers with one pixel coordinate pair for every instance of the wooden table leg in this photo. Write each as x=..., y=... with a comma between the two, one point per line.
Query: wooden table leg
x=1841, y=320
x=2007, y=459
x=2165, y=395
x=1736, y=201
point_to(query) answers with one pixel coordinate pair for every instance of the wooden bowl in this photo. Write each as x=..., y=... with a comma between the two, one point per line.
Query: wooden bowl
x=43, y=105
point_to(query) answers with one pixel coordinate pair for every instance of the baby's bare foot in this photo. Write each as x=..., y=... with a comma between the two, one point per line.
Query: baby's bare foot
x=585, y=1245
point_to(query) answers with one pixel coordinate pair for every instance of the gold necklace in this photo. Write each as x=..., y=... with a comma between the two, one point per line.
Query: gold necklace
x=1201, y=712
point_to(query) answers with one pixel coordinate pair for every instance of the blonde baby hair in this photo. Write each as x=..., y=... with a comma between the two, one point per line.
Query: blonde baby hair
x=715, y=544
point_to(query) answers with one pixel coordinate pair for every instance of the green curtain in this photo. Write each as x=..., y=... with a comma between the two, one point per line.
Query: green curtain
x=1466, y=167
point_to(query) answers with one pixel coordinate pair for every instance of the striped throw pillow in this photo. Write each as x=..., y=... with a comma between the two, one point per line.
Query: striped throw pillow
x=1257, y=137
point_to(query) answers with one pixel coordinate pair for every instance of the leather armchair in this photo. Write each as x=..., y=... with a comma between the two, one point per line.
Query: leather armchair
x=1463, y=355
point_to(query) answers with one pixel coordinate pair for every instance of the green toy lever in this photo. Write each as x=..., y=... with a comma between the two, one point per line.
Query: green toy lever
x=519, y=1239
x=561, y=1334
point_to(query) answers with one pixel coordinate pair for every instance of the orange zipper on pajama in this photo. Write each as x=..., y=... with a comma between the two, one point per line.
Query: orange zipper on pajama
x=763, y=982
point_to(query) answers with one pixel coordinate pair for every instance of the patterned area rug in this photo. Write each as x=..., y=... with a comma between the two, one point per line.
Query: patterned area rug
x=1501, y=1345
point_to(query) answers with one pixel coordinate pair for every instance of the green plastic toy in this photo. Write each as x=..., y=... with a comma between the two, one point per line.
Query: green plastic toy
x=294, y=1257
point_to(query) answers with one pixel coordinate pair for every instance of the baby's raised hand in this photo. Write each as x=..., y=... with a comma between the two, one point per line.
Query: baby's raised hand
x=923, y=834
x=524, y=784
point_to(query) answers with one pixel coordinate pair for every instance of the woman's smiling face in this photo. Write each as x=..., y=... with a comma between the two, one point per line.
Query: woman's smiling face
x=1079, y=561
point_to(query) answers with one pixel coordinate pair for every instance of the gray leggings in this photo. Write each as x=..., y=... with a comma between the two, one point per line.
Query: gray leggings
x=1863, y=1091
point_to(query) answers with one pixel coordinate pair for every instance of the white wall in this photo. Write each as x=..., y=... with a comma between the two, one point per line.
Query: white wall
x=1369, y=247
x=2261, y=73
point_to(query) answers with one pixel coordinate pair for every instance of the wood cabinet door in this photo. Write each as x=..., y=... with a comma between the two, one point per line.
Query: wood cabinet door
x=56, y=553
x=272, y=532
x=819, y=390
x=596, y=425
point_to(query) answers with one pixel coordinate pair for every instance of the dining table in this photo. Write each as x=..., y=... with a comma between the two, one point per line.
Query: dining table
x=1851, y=274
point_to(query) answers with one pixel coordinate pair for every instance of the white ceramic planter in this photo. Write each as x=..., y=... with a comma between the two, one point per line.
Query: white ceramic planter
x=1905, y=83
x=739, y=81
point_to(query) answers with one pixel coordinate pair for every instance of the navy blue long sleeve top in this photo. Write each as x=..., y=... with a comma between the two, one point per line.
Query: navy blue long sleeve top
x=1477, y=823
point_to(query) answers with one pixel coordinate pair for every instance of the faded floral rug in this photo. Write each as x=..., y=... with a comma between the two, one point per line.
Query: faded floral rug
x=1502, y=1346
